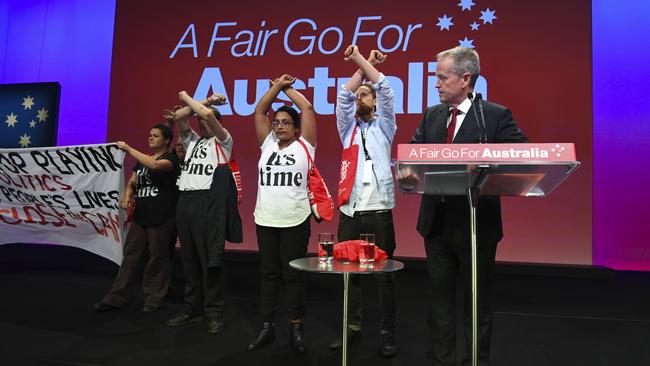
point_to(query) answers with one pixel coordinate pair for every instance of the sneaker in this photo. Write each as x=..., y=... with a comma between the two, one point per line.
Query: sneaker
x=101, y=307
x=388, y=348
x=215, y=325
x=184, y=318
x=151, y=308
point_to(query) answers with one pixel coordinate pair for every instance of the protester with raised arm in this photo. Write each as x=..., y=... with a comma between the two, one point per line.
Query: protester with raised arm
x=207, y=213
x=153, y=185
x=282, y=210
x=365, y=118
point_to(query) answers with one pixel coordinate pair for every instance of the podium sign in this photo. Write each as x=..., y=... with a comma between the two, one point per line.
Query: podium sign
x=494, y=169
x=483, y=169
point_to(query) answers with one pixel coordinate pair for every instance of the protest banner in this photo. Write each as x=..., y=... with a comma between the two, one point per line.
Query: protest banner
x=64, y=195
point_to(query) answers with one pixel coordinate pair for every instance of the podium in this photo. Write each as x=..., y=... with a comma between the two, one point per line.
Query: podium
x=473, y=170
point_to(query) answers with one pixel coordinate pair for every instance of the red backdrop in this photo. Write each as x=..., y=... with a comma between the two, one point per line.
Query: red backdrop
x=535, y=59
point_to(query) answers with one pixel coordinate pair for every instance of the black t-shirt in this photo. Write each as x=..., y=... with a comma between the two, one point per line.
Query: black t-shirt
x=156, y=193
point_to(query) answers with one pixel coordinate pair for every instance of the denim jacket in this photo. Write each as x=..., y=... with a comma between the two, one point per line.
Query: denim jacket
x=379, y=138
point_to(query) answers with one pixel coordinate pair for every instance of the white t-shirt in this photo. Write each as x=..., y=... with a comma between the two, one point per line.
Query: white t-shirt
x=201, y=160
x=282, y=183
x=369, y=198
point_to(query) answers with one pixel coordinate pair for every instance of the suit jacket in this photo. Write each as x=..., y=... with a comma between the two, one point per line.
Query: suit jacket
x=437, y=213
x=223, y=214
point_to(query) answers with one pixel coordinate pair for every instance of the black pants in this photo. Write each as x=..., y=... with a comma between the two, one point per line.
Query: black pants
x=380, y=224
x=204, y=285
x=449, y=256
x=155, y=280
x=277, y=247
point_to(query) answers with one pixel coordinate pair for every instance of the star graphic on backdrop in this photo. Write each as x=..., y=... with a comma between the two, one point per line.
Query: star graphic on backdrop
x=28, y=102
x=466, y=42
x=11, y=120
x=474, y=26
x=42, y=114
x=32, y=124
x=24, y=140
x=466, y=4
x=487, y=16
x=445, y=22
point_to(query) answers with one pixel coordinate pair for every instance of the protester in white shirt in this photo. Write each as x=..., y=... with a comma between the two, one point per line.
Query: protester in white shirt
x=365, y=117
x=202, y=211
x=282, y=211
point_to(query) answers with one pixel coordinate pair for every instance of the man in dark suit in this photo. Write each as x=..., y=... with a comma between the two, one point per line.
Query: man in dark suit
x=444, y=221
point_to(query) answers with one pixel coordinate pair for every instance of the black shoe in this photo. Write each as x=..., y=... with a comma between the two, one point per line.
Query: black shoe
x=265, y=337
x=103, y=307
x=151, y=308
x=388, y=349
x=354, y=339
x=296, y=337
x=184, y=318
x=215, y=325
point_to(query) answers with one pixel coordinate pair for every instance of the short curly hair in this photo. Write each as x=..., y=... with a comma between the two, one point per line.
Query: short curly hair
x=166, y=132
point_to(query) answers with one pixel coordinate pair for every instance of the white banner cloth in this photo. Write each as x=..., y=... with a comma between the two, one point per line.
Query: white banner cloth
x=65, y=195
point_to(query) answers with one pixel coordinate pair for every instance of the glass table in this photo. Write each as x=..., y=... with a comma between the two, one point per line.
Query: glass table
x=311, y=264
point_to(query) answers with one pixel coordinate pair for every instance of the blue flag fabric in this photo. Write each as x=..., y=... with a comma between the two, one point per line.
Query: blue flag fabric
x=29, y=114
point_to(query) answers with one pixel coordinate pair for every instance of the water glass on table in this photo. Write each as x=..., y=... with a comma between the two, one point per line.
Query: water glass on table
x=367, y=249
x=326, y=247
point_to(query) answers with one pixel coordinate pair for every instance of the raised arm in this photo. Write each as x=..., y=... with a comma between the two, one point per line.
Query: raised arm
x=366, y=68
x=184, y=112
x=308, y=117
x=147, y=161
x=205, y=116
x=262, y=125
x=375, y=58
x=184, y=129
x=385, y=98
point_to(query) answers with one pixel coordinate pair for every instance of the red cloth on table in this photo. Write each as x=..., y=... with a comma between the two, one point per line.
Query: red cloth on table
x=349, y=250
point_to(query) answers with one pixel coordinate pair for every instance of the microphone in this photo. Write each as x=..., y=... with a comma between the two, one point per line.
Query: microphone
x=471, y=97
x=480, y=107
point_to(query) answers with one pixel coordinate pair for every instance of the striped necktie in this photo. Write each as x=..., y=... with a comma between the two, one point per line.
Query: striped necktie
x=452, y=126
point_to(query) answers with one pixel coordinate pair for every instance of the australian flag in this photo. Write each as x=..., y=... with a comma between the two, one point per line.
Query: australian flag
x=29, y=114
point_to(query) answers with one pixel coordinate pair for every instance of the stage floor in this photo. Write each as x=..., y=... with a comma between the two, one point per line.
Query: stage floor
x=46, y=318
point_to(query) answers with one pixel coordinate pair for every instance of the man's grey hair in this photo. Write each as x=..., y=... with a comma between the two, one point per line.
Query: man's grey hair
x=465, y=60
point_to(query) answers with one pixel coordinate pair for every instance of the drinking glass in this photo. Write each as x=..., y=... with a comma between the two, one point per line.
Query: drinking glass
x=367, y=249
x=326, y=246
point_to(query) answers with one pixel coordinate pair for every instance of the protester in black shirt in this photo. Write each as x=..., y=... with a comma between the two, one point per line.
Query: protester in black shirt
x=153, y=184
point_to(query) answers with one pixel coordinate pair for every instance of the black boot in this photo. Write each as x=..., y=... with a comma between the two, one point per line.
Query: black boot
x=296, y=337
x=266, y=336
x=388, y=348
x=101, y=307
x=354, y=339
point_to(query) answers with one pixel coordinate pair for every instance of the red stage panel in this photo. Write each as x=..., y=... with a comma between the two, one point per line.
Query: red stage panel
x=535, y=57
